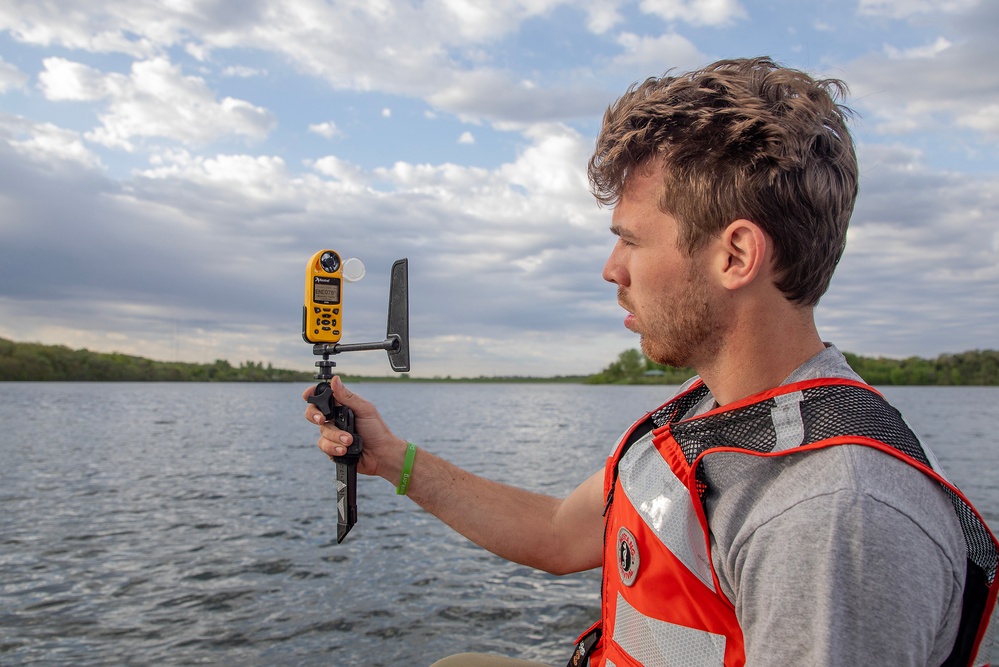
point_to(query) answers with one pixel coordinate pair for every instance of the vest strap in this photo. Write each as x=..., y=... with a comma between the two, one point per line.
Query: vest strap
x=584, y=646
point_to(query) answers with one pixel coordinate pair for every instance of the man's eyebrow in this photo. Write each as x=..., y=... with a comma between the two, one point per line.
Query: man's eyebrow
x=621, y=232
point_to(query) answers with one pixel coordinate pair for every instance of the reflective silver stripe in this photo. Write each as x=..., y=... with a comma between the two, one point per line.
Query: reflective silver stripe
x=617, y=444
x=984, y=656
x=664, y=504
x=655, y=643
x=786, y=416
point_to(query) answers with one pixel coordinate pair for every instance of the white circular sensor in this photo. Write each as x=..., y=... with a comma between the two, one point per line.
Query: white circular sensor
x=353, y=270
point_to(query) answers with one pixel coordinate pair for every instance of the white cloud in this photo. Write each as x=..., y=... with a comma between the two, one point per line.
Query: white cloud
x=920, y=249
x=475, y=21
x=254, y=176
x=46, y=143
x=199, y=52
x=554, y=164
x=116, y=26
x=602, y=15
x=656, y=54
x=466, y=138
x=919, y=52
x=145, y=28
x=936, y=87
x=326, y=129
x=493, y=95
x=66, y=80
x=386, y=113
x=357, y=46
x=243, y=72
x=11, y=77
x=906, y=8
x=349, y=175
x=985, y=119
x=696, y=12
x=154, y=100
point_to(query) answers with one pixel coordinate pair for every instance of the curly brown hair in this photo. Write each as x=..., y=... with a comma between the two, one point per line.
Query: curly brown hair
x=738, y=139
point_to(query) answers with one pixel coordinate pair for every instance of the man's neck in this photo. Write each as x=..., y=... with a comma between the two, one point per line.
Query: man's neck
x=760, y=355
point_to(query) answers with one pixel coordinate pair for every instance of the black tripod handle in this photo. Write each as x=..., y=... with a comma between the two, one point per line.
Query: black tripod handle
x=342, y=417
x=346, y=465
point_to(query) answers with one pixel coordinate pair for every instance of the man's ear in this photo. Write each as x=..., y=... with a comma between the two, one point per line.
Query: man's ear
x=744, y=254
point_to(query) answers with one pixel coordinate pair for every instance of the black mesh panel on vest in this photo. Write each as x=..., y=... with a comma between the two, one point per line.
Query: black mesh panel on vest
x=827, y=411
x=676, y=409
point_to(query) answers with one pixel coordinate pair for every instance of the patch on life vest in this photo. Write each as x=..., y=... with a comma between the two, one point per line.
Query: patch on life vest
x=627, y=556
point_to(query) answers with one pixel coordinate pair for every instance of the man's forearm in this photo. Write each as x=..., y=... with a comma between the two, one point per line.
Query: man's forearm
x=552, y=534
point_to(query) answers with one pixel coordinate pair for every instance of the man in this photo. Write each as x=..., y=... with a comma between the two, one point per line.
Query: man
x=776, y=511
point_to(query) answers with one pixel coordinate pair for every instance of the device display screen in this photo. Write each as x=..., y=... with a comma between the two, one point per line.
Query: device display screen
x=328, y=293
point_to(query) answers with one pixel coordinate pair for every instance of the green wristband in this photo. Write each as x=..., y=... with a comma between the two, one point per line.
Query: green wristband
x=407, y=470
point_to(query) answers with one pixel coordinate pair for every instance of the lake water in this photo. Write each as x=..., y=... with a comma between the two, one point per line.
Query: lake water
x=180, y=524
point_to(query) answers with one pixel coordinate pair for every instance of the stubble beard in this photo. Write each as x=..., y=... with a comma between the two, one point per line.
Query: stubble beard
x=684, y=329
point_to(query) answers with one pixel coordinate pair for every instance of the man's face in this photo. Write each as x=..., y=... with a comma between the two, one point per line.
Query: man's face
x=664, y=290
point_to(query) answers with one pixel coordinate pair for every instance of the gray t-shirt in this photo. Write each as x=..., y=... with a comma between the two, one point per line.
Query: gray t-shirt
x=838, y=556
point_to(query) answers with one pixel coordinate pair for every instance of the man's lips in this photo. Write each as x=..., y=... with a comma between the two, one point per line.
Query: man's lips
x=629, y=320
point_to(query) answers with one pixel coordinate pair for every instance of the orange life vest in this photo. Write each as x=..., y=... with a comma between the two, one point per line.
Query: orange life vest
x=661, y=601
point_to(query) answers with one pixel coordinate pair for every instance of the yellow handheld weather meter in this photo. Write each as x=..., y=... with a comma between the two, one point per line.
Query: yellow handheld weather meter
x=322, y=314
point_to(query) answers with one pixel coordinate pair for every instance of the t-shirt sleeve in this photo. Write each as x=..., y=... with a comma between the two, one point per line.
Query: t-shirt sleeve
x=843, y=579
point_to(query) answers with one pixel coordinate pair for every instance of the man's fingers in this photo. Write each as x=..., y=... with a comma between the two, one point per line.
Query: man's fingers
x=361, y=407
x=331, y=448
x=312, y=412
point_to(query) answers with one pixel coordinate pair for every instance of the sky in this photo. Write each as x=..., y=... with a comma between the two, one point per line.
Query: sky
x=167, y=168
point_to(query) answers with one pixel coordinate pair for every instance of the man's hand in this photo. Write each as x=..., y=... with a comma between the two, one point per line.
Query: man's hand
x=383, y=452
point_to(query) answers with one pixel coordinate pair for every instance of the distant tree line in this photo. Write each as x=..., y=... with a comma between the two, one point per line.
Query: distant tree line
x=33, y=361
x=633, y=367
x=977, y=367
